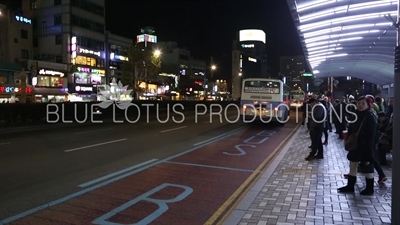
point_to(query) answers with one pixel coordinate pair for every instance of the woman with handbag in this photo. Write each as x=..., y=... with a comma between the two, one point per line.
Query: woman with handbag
x=360, y=145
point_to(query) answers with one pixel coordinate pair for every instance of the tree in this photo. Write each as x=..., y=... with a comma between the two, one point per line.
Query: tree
x=143, y=66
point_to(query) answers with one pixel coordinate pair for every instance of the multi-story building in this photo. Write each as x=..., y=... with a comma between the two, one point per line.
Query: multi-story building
x=118, y=48
x=15, y=50
x=15, y=36
x=248, y=58
x=292, y=69
x=187, y=72
x=71, y=32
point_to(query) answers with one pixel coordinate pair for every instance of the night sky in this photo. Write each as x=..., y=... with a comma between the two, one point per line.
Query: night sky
x=207, y=27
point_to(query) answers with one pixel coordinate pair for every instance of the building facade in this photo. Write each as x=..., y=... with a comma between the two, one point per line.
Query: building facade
x=291, y=71
x=118, y=48
x=185, y=72
x=15, y=51
x=73, y=33
x=249, y=59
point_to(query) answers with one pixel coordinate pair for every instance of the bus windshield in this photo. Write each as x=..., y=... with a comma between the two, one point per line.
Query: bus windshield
x=256, y=86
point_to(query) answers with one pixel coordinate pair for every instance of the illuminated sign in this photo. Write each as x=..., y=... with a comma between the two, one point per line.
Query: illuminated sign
x=307, y=75
x=167, y=75
x=73, y=50
x=23, y=19
x=14, y=90
x=89, y=70
x=252, y=59
x=50, y=72
x=252, y=35
x=248, y=46
x=146, y=38
x=87, y=51
x=119, y=57
x=83, y=89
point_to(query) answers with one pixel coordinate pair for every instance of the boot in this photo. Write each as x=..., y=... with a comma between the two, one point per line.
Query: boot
x=369, y=189
x=349, y=188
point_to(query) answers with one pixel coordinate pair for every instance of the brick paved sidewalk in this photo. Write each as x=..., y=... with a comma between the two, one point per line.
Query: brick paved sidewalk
x=293, y=191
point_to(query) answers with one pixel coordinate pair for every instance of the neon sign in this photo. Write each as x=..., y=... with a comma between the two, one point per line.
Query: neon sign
x=50, y=72
x=119, y=57
x=146, y=38
x=252, y=59
x=248, y=46
x=87, y=51
x=23, y=19
x=15, y=90
x=83, y=89
x=73, y=50
x=88, y=70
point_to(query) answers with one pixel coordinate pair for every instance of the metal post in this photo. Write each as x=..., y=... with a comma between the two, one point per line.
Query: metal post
x=396, y=142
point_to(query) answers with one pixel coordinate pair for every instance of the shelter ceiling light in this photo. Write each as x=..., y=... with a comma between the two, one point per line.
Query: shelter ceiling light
x=314, y=4
x=323, y=47
x=332, y=41
x=329, y=56
x=346, y=19
x=324, y=50
x=328, y=37
x=345, y=9
x=341, y=28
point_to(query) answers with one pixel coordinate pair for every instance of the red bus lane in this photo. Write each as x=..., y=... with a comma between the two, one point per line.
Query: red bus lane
x=188, y=189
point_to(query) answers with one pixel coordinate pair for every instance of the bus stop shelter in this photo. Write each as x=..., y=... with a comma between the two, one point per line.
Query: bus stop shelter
x=354, y=38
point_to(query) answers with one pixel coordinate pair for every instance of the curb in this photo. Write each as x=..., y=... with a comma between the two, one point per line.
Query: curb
x=227, y=208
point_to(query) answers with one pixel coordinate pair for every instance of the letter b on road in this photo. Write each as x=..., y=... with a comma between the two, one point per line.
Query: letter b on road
x=162, y=205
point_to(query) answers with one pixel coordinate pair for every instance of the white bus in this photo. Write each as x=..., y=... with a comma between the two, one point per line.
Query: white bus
x=297, y=98
x=265, y=99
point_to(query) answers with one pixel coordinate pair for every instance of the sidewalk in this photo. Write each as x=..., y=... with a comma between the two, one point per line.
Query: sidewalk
x=293, y=191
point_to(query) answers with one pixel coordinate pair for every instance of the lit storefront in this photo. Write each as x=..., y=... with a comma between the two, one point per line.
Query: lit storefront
x=149, y=91
x=82, y=92
x=13, y=94
x=50, y=85
x=85, y=75
x=89, y=73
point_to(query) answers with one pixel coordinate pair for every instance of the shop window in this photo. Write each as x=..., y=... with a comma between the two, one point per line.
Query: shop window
x=24, y=34
x=57, y=20
x=48, y=81
x=58, y=39
x=24, y=54
x=87, y=61
x=33, y=4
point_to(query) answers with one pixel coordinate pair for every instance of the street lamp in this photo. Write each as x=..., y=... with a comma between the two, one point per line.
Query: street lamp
x=157, y=53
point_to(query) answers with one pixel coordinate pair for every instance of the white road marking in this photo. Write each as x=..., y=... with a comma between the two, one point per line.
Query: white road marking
x=5, y=143
x=91, y=131
x=219, y=136
x=95, y=145
x=177, y=128
x=119, y=172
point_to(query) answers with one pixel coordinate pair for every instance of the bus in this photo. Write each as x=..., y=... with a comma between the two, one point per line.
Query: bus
x=265, y=99
x=297, y=98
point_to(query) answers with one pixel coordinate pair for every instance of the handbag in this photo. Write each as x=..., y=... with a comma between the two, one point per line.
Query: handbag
x=366, y=168
x=351, y=143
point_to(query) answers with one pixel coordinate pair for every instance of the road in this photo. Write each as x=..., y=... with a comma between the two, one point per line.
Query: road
x=44, y=166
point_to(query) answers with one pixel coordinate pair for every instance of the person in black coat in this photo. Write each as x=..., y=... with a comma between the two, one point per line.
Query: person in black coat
x=366, y=125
